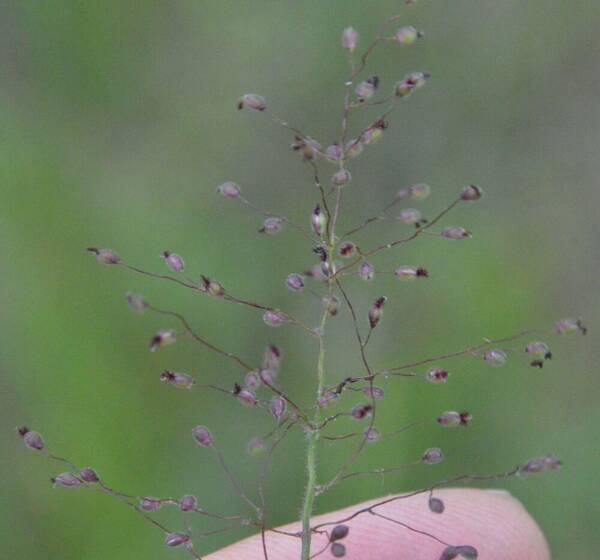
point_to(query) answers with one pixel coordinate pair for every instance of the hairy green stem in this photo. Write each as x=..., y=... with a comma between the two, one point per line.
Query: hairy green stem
x=311, y=452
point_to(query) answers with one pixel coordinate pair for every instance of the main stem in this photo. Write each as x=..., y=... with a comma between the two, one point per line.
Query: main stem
x=311, y=452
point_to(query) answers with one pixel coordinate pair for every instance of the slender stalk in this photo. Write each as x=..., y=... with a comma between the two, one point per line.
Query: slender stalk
x=311, y=453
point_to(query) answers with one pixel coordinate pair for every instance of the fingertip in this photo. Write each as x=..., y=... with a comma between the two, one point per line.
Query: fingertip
x=494, y=522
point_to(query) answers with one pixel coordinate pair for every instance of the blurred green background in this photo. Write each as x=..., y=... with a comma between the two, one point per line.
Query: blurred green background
x=118, y=121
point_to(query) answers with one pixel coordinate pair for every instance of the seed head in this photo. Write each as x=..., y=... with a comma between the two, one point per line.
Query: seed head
x=272, y=357
x=333, y=152
x=437, y=375
x=252, y=101
x=374, y=392
x=366, y=271
x=432, y=456
x=464, y=551
x=246, y=397
x=471, y=193
x=202, y=436
x=456, y=233
x=361, y=411
x=570, y=326
x=229, y=189
x=252, y=380
x=89, y=475
x=341, y=178
x=267, y=376
x=255, y=446
x=162, y=338
x=436, y=505
x=150, y=504
x=354, y=148
x=410, y=272
x=179, y=380
x=295, y=282
x=67, y=480
x=176, y=539
x=277, y=406
x=308, y=147
x=541, y=464
x=346, y=249
x=105, y=256
x=372, y=435
x=410, y=83
x=409, y=216
x=136, y=302
x=495, y=357
x=416, y=192
x=365, y=90
x=338, y=533
x=271, y=226
x=274, y=318
x=375, y=313
x=173, y=261
x=332, y=304
x=338, y=550
x=350, y=38
x=188, y=503
x=539, y=350
x=451, y=419
x=407, y=35
x=327, y=399
x=318, y=220
x=31, y=439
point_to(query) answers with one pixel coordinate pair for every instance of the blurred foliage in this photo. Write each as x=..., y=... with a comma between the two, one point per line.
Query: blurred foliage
x=118, y=120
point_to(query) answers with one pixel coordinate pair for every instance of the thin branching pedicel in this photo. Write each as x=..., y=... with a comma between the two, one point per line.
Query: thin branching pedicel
x=339, y=261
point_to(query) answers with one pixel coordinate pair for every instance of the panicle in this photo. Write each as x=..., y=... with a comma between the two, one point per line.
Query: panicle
x=417, y=192
x=271, y=226
x=173, y=261
x=410, y=272
x=318, y=220
x=150, y=504
x=366, y=89
x=410, y=83
x=570, y=326
x=354, y=148
x=176, y=539
x=67, y=480
x=341, y=178
x=31, y=439
x=277, y=406
x=252, y=101
x=188, y=503
x=436, y=505
x=338, y=533
x=136, y=302
x=295, y=282
x=366, y=271
x=464, y=551
x=375, y=313
x=229, y=189
x=374, y=392
x=495, y=357
x=451, y=419
x=410, y=216
x=202, y=436
x=338, y=550
x=272, y=357
x=255, y=446
x=372, y=435
x=332, y=304
x=164, y=337
x=105, y=256
x=333, y=152
x=179, y=380
x=350, y=38
x=347, y=249
x=273, y=318
x=252, y=380
x=89, y=475
x=471, y=193
x=432, y=456
x=245, y=396
x=211, y=287
x=437, y=375
x=407, y=35
x=541, y=464
x=456, y=233
x=307, y=147
x=361, y=411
